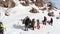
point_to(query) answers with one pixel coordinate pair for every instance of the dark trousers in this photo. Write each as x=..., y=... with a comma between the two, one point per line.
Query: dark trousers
x=1, y=31
x=26, y=27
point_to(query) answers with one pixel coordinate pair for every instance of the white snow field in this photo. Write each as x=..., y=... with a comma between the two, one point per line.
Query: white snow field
x=14, y=24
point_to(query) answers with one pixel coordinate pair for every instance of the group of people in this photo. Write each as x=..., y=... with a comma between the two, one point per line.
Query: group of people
x=28, y=23
x=31, y=23
x=46, y=21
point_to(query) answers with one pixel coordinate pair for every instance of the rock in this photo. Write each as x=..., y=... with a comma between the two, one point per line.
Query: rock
x=19, y=0
x=2, y=5
x=26, y=3
x=39, y=3
x=7, y=3
x=7, y=14
x=51, y=6
x=51, y=14
x=43, y=9
x=32, y=1
x=59, y=13
x=57, y=18
x=34, y=10
x=11, y=4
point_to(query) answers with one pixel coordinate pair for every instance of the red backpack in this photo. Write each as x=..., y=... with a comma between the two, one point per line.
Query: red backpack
x=38, y=27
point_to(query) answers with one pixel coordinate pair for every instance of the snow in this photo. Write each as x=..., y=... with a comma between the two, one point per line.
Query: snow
x=14, y=24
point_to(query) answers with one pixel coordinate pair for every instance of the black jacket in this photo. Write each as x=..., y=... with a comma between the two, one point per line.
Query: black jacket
x=51, y=20
x=27, y=21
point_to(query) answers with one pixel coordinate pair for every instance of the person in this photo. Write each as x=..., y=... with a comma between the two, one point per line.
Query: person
x=44, y=21
x=27, y=22
x=38, y=22
x=33, y=23
x=2, y=26
x=38, y=26
x=51, y=21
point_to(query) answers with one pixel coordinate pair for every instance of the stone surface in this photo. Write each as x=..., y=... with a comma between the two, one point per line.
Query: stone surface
x=34, y=10
x=7, y=3
x=26, y=3
x=51, y=14
x=39, y=3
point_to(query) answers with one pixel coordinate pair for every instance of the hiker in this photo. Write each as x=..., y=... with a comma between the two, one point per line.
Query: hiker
x=38, y=26
x=27, y=22
x=51, y=21
x=2, y=26
x=44, y=21
x=38, y=22
x=33, y=23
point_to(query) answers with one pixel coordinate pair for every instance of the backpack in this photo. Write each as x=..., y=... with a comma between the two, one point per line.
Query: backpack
x=38, y=27
x=23, y=21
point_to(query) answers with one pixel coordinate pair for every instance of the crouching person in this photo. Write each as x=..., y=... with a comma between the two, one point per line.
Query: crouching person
x=2, y=27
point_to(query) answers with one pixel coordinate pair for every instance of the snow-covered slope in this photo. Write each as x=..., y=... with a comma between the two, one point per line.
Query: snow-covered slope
x=14, y=24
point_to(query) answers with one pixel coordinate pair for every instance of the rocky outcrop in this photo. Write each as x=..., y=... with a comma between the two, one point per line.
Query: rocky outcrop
x=7, y=3
x=34, y=10
x=51, y=14
x=39, y=3
x=25, y=3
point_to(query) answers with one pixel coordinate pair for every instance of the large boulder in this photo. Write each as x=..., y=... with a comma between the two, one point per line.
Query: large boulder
x=11, y=4
x=51, y=14
x=2, y=3
x=34, y=10
x=39, y=3
x=7, y=4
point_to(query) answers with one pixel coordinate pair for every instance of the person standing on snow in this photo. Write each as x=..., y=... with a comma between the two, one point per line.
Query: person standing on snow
x=33, y=23
x=38, y=22
x=27, y=22
x=44, y=21
x=38, y=26
x=51, y=21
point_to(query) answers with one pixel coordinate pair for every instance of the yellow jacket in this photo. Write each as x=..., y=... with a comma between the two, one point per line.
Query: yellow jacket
x=3, y=26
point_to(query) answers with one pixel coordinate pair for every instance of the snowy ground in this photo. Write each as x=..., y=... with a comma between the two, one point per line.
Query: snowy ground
x=14, y=25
